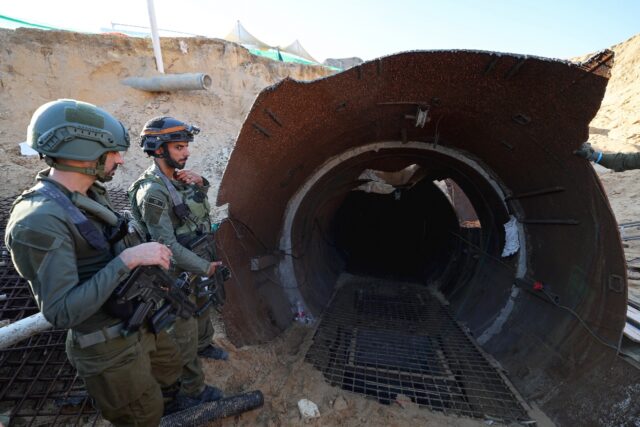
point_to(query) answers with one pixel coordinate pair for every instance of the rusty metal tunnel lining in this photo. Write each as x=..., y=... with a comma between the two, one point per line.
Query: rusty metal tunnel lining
x=384, y=339
x=522, y=117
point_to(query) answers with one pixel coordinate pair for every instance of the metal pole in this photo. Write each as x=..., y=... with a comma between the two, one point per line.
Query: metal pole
x=23, y=329
x=154, y=36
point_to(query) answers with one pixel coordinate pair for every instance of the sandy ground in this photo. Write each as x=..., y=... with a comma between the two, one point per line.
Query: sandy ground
x=36, y=67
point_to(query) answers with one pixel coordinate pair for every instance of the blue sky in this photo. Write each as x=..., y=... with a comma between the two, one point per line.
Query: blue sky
x=367, y=28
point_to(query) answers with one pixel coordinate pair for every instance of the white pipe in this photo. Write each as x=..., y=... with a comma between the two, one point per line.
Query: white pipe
x=23, y=329
x=155, y=38
x=170, y=82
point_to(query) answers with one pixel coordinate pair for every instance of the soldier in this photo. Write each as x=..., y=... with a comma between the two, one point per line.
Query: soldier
x=616, y=161
x=64, y=239
x=172, y=204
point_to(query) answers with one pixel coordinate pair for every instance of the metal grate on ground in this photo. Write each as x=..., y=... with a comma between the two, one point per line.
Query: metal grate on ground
x=385, y=339
x=38, y=385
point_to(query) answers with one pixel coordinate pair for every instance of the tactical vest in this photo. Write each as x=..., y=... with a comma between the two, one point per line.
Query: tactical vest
x=89, y=259
x=197, y=222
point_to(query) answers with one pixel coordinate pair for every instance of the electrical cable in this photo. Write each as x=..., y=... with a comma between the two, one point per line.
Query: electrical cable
x=552, y=300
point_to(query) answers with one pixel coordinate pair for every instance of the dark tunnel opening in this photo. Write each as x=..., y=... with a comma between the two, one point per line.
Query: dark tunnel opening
x=408, y=233
x=412, y=231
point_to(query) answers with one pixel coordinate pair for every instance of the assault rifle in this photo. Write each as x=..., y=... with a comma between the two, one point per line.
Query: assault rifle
x=204, y=246
x=156, y=296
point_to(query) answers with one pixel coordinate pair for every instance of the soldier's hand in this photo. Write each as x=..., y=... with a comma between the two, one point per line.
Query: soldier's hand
x=587, y=152
x=151, y=253
x=188, y=177
x=212, y=267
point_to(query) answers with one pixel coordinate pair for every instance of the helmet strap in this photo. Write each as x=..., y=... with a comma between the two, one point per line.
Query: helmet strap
x=98, y=171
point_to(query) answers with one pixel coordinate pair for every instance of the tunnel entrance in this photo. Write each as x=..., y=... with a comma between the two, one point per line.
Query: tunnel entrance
x=425, y=228
x=403, y=247
x=541, y=285
x=399, y=340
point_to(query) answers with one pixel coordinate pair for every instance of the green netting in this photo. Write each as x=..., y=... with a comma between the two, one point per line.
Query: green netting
x=278, y=55
x=13, y=23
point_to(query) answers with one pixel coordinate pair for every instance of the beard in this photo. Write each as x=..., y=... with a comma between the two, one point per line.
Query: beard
x=171, y=162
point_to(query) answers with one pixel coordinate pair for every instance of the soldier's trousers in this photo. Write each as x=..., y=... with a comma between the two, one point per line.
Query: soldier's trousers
x=205, y=327
x=185, y=334
x=125, y=375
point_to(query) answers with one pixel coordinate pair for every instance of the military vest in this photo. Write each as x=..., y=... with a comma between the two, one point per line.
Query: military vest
x=197, y=222
x=89, y=260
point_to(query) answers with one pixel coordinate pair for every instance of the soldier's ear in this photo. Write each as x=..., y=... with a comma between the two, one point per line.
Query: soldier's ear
x=159, y=151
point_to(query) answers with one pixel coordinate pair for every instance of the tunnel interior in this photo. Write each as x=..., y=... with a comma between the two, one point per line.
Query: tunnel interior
x=409, y=233
x=413, y=231
x=383, y=247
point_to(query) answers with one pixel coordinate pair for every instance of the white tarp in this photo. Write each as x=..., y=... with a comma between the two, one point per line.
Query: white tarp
x=296, y=48
x=241, y=36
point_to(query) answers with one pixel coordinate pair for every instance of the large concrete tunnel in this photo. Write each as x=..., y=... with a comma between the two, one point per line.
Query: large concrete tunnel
x=545, y=296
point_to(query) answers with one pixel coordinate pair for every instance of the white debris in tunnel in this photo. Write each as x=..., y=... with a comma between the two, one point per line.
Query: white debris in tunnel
x=511, y=240
x=382, y=182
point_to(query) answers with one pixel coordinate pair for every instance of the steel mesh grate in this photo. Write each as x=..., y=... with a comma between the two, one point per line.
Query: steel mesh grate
x=119, y=200
x=385, y=339
x=38, y=385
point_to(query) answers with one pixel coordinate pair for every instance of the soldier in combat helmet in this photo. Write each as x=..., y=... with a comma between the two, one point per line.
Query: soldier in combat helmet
x=62, y=234
x=172, y=204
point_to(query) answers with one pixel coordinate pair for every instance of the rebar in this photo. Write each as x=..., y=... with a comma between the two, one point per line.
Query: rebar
x=386, y=339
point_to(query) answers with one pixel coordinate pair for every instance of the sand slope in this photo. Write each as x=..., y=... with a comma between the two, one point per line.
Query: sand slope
x=39, y=66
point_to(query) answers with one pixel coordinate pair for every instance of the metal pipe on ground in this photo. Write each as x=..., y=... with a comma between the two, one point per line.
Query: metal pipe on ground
x=210, y=411
x=170, y=82
x=23, y=329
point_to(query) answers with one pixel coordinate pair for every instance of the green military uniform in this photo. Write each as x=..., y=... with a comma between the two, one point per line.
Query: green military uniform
x=71, y=281
x=620, y=161
x=151, y=204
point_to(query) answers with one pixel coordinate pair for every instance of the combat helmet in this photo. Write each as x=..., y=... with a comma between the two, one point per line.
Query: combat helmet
x=161, y=130
x=75, y=130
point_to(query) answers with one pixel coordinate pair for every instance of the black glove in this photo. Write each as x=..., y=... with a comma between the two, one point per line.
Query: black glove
x=587, y=152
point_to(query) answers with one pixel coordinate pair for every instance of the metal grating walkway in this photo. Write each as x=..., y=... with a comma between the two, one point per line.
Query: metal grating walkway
x=384, y=339
x=38, y=385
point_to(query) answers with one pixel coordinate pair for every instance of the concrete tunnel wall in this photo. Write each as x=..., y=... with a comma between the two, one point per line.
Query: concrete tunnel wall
x=503, y=127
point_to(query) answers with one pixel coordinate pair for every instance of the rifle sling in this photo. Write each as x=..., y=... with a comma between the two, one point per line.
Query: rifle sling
x=85, y=227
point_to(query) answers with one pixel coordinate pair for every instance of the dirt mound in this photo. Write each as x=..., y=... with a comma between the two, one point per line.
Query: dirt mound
x=616, y=127
x=40, y=66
